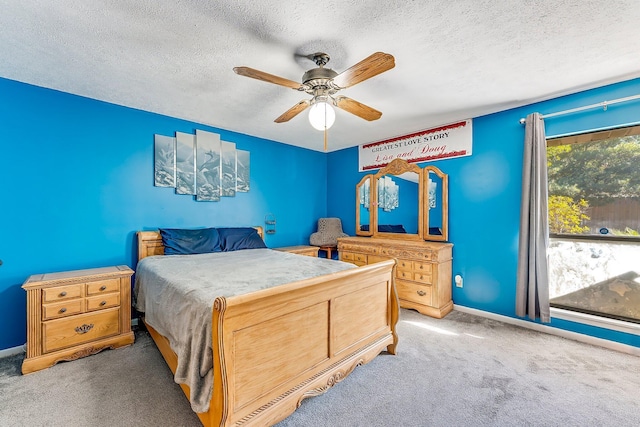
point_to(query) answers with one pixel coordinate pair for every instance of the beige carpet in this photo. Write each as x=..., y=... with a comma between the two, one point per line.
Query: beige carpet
x=462, y=370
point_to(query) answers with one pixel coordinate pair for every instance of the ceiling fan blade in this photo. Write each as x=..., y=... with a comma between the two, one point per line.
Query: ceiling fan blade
x=266, y=77
x=369, y=67
x=293, y=111
x=357, y=108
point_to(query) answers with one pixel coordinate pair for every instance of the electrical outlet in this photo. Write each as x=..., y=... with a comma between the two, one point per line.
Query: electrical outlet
x=458, y=280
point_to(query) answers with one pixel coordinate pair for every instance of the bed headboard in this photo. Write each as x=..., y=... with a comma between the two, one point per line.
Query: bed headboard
x=150, y=242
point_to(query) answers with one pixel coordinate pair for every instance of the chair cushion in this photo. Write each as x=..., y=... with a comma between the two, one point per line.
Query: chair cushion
x=329, y=230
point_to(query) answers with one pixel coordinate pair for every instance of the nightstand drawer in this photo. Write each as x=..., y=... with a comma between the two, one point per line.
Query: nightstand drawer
x=100, y=302
x=62, y=309
x=103, y=286
x=59, y=293
x=62, y=333
x=300, y=250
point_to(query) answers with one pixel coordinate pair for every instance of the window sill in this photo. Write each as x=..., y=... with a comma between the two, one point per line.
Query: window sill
x=600, y=322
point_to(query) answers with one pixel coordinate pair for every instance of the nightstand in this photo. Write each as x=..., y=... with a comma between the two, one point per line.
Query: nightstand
x=300, y=249
x=75, y=314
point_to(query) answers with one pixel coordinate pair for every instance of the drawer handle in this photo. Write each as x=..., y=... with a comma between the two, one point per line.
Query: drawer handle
x=63, y=294
x=421, y=293
x=84, y=328
x=62, y=310
x=103, y=287
x=103, y=303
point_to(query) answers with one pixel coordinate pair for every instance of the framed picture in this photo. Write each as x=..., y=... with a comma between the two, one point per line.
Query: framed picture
x=164, y=161
x=185, y=163
x=242, y=170
x=229, y=173
x=208, y=170
x=201, y=165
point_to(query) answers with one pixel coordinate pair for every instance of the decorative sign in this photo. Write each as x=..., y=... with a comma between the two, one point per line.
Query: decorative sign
x=443, y=142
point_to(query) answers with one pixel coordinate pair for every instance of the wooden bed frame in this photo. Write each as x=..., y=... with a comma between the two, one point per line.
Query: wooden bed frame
x=275, y=347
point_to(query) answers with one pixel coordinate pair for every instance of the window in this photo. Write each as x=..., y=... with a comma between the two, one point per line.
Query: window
x=594, y=222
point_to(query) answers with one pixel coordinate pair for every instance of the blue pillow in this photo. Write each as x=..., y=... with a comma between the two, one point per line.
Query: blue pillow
x=179, y=241
x=235, y=239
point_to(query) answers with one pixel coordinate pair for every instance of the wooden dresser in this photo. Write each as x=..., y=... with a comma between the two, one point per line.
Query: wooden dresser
x=76, y=313
x=423, y=272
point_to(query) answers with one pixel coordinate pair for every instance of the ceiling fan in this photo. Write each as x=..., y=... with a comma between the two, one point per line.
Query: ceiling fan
x=323, y=83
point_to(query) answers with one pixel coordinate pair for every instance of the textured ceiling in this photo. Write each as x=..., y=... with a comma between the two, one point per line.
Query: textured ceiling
x=454, y=59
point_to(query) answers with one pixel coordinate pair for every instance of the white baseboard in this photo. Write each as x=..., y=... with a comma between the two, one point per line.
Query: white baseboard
x=588, y=339
x=11, y=351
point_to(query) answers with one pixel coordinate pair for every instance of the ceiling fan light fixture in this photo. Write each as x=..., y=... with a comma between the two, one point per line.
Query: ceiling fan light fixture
x=322, y=115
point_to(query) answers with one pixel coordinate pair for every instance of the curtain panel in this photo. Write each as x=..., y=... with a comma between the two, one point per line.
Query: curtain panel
x=532, y=286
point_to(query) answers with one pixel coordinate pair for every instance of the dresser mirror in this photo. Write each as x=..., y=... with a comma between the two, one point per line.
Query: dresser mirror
x=363, y=207
x=403, y=201
x=437, y=204
x=399, y=201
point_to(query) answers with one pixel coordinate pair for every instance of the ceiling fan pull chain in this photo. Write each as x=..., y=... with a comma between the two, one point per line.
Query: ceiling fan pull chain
x=325, y=139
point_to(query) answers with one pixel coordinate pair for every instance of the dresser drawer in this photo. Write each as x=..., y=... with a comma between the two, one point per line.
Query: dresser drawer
x=100, y=302
x=60, y=293
x=62, y=333
x=423, y=267
x=62, y=309
x=404, y=264
x=414, y=292
x=355, y=258
x=423, y=278
x=103, y=286
x=372, y=259
x=404, y=274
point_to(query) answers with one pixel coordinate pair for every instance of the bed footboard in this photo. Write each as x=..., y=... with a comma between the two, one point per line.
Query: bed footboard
x=275, y=347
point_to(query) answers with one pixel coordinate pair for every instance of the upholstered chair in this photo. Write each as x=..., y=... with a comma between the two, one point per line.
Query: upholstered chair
x=329, y=229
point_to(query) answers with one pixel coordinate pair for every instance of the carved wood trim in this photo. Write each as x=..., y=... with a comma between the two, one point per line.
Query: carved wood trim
x=331, y=381
x=336, y=377
x=84, y=352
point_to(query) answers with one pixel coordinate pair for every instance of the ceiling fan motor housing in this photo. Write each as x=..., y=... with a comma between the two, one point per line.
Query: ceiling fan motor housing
x=317, y=80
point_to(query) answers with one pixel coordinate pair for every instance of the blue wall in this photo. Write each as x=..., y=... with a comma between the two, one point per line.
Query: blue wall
x=77, y=182
x=484, y=196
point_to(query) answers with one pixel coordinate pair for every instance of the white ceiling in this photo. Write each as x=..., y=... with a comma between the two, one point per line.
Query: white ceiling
x=454, y=59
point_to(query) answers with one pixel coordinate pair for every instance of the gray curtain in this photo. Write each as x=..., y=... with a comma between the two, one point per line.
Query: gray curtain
x=532, y=288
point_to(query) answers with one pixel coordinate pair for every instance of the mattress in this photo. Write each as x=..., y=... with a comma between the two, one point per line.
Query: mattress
x=176, y=295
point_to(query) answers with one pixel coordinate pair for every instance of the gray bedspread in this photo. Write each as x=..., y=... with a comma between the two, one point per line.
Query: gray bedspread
x=176, y=294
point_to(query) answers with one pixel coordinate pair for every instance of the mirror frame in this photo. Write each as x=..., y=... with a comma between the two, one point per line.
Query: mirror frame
x=372, y=204
x=444, y=236
x=398, y=167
